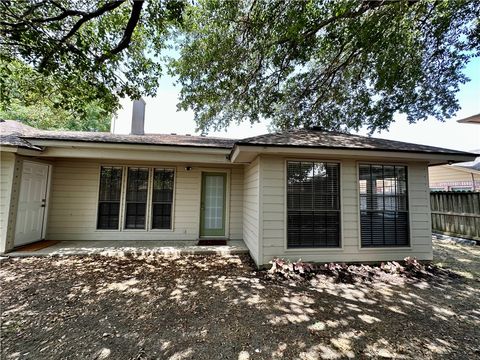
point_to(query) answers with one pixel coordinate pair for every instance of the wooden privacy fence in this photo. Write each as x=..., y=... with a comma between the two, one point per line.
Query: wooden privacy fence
x=456, y=213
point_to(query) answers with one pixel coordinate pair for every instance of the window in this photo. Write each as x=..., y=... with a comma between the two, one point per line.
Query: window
x=145, y=201
x=136, y=198
x=383, y=205
x=313, y=204
x=162, y=198
x=109, y=197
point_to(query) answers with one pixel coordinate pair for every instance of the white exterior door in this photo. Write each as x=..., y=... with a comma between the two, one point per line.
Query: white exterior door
x=31, y=203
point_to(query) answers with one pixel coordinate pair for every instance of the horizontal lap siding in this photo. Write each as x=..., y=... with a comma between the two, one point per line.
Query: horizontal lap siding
x=7, y=164
x=251, y=208
x=236, y=204
x=73, y=204
x=420, y=215
x=273, y=223
x=273, y=198
x=445, y=173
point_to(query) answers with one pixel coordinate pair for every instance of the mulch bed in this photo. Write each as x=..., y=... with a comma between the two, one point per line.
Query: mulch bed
x=214, y=307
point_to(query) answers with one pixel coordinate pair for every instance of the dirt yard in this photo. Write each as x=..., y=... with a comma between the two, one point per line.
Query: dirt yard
x=214, y=307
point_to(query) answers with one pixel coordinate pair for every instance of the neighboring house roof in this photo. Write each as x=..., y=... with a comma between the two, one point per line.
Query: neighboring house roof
x=316, y=138
x=474, y=119
x=15, y=129
x=469, y=165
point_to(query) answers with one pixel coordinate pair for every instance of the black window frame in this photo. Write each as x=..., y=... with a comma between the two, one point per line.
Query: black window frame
x=400, y=200
x=328, y=237
x=132, y=208
x=101, y=202
x=122, y=203
x=154, y=202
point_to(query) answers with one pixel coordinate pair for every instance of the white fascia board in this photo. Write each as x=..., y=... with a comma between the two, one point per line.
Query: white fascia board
x=152, y=147
x=134, y=155
x=20, y=150
x=9, y=148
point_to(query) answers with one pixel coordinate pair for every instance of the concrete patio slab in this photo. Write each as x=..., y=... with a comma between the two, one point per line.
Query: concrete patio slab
x=139, y=248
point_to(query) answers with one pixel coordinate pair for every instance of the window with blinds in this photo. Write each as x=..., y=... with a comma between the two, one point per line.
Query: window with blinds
x=136, y=198
x=313, y=204
x=383, y=205
x=162, y=198
x=109, y=197
x=145, y=200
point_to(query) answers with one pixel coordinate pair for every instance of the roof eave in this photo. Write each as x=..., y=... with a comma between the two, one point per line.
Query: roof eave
x=123, y=144
x=251, y=151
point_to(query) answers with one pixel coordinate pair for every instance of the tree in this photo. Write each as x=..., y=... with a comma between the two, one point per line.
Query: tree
x=337, y=64
x=84, y=52
x=40, y=101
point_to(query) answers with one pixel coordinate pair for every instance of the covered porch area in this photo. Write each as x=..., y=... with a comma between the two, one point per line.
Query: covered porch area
x=162, y=200
x=121, y=248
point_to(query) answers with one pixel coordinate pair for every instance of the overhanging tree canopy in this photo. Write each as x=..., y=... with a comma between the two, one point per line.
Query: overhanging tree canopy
x=90, y=50
x=337, y=64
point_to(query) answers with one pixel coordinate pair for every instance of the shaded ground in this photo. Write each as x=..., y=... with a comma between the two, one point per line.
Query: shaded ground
x=212, y=307
x=463, y=260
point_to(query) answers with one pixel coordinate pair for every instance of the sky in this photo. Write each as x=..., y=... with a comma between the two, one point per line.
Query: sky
x=161, y=116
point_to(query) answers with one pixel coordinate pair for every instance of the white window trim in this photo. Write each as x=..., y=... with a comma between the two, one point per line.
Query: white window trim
x=392, y=249
x=148, y=223
x=312, y=250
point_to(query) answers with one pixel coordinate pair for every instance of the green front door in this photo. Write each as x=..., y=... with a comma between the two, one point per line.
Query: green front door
x=212, y=214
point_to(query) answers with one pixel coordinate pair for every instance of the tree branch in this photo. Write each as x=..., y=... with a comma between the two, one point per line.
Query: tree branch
x=87, y=17
x=127, y=35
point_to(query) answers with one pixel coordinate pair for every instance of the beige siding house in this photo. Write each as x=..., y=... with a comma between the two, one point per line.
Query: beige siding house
x=458, y=177
x=310, y=194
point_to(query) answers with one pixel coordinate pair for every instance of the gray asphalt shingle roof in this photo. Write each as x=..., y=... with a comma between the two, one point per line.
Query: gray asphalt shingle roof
x=14, y=133
x=147, y=139
x=25, y=133
x=316, y=138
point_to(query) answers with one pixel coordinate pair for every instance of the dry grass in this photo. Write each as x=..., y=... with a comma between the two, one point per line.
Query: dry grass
x=212, y=307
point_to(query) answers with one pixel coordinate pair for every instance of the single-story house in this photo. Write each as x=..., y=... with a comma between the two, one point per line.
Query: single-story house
x=307, y=193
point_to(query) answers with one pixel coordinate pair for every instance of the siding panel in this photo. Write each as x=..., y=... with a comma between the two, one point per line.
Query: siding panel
x=73, y=204
x=273, y=224
x=251, y=208
x=7, y=164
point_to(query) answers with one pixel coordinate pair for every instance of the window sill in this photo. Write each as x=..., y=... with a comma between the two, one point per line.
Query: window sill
x=385, y=248
x=136, y=230
x=313, y=250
